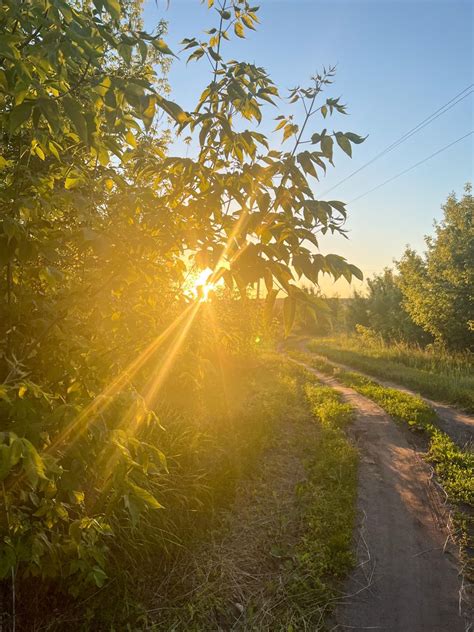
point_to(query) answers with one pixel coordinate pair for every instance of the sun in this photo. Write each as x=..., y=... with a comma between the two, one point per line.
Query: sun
x=201, y=288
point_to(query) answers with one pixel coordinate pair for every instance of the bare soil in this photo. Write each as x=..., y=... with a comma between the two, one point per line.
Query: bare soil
x=455, y=423
x=407, y=578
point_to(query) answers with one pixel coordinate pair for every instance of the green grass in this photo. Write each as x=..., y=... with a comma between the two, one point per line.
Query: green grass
x=324, y=554
x=452, y=465
x=291, y=523
x=436, y=374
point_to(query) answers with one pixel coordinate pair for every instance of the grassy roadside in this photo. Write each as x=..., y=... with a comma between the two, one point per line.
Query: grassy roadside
x=276, y=557
x=452, y=465
x=436, y=375
x=327, y=498
x=259, y=535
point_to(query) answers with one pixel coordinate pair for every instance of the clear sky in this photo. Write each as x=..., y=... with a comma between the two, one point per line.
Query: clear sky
x=398, y=61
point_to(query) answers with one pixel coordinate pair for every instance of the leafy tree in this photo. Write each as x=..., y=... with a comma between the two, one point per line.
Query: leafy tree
x=315, y=315
x=356, y=311
x=438, y=287
x=98, y=224
x=386, y=313
x=78, y=86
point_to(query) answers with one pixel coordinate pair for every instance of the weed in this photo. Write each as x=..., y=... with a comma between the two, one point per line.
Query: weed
x=276, y=556
x=433, y=373
x=453, y=466
x=324, y=554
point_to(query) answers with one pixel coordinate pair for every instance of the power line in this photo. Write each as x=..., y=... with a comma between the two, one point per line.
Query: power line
x=426, y=121
x=412, y=167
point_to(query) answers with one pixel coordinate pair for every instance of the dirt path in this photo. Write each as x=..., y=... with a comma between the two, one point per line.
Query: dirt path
x=455, y=423
x=406, y=579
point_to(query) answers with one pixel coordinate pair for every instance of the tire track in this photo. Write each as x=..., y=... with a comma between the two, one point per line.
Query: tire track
x=458, y=425
x=407, y=577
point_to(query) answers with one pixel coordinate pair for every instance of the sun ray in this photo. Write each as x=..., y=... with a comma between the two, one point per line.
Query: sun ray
x=232, y=236
x=102, y=401
x=154, y=384
x=220, y=360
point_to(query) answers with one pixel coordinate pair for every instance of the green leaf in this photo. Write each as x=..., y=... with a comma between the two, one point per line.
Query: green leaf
x=8, y=49
x=125, y=51
x=289, y=130
x=344, y=143
x=355, y=138
x=339, y=206
x=145, y=496
x=20, y=114
x=39, y=152
x=53, y=148
x=247, y=20
x=304, y=158
x=73, y=112
x=149, y=110
x=196, y=55
x=356, y=272
x=99, y=576
x=50, y=111
x=33, y=463
x=72, y=181
x=113, y=7
x=103, y=87
x=130, y=138
x=327, y=144
x=173, y=110
x=75, y=531
x=163, y=47
x=143, y=50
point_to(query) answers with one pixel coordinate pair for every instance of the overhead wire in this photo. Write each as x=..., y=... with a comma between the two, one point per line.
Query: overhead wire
x=414, y=130
x=439, y=151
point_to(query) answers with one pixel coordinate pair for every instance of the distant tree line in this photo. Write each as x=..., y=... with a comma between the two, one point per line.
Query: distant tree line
x=427, y=298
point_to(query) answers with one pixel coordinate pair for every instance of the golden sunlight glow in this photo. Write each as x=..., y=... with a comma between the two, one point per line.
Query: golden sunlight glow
x=202, y=287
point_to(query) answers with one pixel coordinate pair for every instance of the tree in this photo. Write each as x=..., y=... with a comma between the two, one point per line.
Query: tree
x=77, y=86
x=99, y=222
x=356, y=311
x=438, y=287
x=385, y=311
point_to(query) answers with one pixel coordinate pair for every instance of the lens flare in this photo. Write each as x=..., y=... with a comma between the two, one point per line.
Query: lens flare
x=202, y=287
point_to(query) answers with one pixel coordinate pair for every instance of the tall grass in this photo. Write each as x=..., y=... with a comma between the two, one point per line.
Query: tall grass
x=434, y=373
x=453, y=465
x=279, y=549
x=209, y=435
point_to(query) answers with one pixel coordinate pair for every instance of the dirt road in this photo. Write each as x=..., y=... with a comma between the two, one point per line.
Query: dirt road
x=455, y=423
x=407, y=577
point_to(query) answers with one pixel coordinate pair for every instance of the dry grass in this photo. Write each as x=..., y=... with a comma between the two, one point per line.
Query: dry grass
x=271, y=560
x=234, y=580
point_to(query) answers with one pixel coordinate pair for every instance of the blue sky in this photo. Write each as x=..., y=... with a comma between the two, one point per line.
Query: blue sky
x=398, y=61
